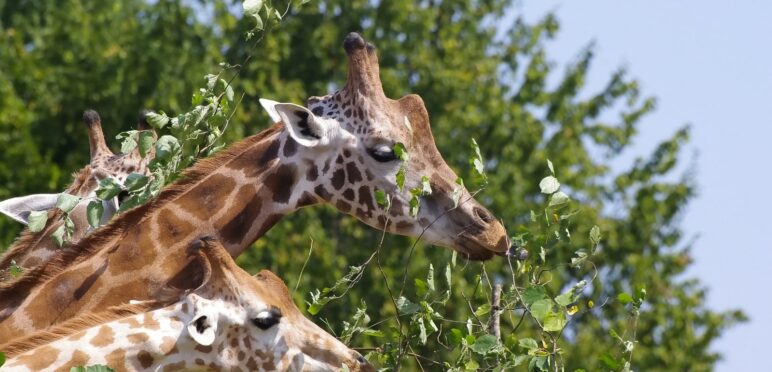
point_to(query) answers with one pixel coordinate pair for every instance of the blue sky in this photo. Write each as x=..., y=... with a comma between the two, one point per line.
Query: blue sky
x=709, y=63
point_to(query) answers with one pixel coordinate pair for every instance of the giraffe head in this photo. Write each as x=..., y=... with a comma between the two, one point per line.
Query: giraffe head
x=230, y=321
x=235, y=310
x=349, y=140
x=31, y=249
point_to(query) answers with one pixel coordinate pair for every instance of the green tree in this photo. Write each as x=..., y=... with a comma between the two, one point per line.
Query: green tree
x=59, y=58
x=480, y=78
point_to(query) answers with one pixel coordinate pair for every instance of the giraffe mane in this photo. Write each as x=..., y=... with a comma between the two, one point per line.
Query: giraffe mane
x=75, y=325
x=18, y=288
x=27, y=237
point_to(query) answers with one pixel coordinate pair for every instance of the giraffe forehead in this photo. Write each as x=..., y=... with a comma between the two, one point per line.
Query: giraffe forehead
x=362, y=117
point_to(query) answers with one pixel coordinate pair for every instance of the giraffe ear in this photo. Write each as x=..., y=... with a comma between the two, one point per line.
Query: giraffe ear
x=306, y=128
x=203, y=327
x=20, y=208
x=270, y=108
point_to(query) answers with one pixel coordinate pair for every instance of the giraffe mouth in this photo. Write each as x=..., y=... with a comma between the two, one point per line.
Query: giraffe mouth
x=473, y=248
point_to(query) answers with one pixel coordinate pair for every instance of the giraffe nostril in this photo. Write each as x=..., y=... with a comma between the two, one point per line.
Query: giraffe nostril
x=361, y=359
x=482, y=214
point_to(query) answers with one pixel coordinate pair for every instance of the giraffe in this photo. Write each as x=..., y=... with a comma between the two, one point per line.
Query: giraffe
x=310, y=156
x=32, y=249
x=232, y=321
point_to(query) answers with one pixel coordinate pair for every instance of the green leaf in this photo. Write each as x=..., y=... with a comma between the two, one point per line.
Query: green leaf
x=541, y=308
x=229, y=92
x=421, y=288
x=430, y=278
x=67, y=202
x=145, y=142
x=455, y=337
x=157, y=121
x=2, y=358
x=108, y=189
x=37, y=220
x=422, y=336
x=94, y=212
x=595, y=235
x=406, y=307
x=528, y=343
x=400, y=177
x=415, y=205
x=484, y=344
x=69, y=227
x=549, y=165
x=448, y=276
x=533, y=294
x=554, y=322
x=58, y=235
x=373, y=333
x=129, y=142
x=166, y=147
x=549, y=185
x=581, y=257
x=565, y=299
x=15, y=270
x=426, y=188
x=477, y=161
x=458, y=190
x=483, y=309
x=538, y=362
x=558, y=198
x=609, y=362
x=382, y=199
x=472, y=365
x=136, y=181
x=624, y=298
x=94, y=368
x=401, y=152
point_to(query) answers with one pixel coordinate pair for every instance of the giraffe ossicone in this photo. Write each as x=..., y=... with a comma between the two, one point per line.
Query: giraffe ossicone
x=231, y=321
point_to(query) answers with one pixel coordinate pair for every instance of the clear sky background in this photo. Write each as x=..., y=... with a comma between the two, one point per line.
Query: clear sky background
x=709, y=63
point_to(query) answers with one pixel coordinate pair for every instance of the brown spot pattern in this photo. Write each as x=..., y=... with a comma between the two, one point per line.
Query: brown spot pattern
x=290, y=147
x=138, y=338
x=104, y=337
x=354, y=175
x=343, y=206
x=179, y=366
x=306, y=199
x=313, y=173
x=282, y=182
x=349, y=194
x=145, y=359
x=366, y=197
x=338, y=178
x=79, y=358
x=117, y=359
x=233, y=232
x=42, y=358
x=207, y=196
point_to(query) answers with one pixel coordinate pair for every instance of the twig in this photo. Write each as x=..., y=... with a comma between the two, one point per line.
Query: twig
x=495, y=319
x=300, y=276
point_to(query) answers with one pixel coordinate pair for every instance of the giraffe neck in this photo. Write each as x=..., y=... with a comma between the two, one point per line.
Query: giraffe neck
x=235, y=196
x=135, y=342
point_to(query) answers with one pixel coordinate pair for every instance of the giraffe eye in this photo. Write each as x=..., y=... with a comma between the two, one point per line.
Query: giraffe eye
x=267, y=318
x=382, y=153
